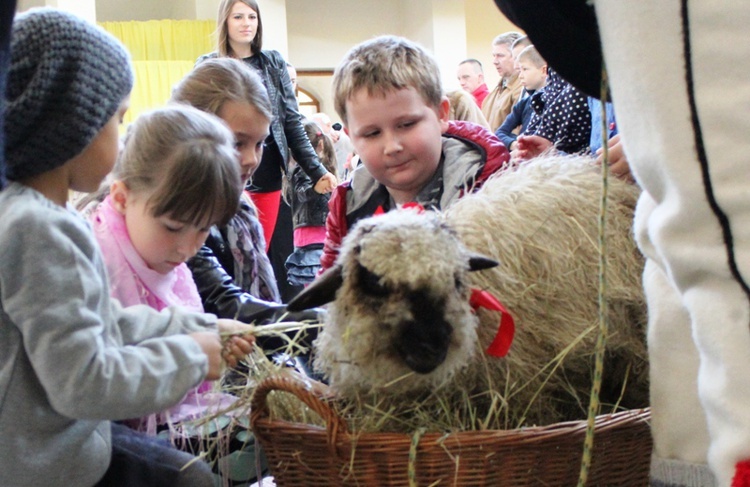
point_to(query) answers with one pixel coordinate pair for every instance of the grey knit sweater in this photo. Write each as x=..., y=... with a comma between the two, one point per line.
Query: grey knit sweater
x=71, y=358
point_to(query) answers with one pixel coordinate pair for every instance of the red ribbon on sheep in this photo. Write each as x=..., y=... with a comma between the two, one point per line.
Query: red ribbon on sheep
x=504, y=337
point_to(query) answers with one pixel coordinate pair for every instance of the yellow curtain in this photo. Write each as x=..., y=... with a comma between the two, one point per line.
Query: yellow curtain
x=164, y=40
x=153, y=85
x=163, y=52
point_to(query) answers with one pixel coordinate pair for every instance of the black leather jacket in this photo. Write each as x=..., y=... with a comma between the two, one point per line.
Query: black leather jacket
x=309, y=208
x=224, y=299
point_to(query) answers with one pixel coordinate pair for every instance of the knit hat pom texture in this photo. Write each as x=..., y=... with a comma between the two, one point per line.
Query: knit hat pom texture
x=67, y=78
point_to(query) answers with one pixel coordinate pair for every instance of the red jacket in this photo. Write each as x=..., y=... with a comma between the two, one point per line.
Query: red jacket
x=472, y=154
x=480, y=94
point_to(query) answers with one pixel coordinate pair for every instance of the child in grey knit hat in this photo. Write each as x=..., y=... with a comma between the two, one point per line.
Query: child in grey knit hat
x=6, y=20
x=72, y=358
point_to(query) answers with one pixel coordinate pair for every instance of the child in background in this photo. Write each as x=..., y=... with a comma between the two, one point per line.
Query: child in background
x=561, y=121
x=71, y=358
x=533, y=75
x=155, y=217
x=229, y=89
x=232, y=272
x=388, y=94
x=464, y=107
x=309, y=210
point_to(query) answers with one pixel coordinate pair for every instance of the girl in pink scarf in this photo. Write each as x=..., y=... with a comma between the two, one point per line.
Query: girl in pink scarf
x=175, y=177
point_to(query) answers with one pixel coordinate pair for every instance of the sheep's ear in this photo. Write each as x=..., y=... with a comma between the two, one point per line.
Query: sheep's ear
x=321, y=291
x=479, y=262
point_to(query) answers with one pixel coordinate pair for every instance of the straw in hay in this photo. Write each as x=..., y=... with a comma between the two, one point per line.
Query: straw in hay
x=219, y=432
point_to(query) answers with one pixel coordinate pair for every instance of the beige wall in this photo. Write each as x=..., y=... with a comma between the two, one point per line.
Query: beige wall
x=119, y=10
x=322, y=42
x=484, y=22
x=22, y=5
x=453, y=30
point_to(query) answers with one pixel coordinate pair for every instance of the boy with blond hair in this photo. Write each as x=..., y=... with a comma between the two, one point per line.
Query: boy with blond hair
x=532, y=71
x=387, y=92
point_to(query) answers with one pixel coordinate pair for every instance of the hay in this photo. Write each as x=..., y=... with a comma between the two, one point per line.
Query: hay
x=467, y=411
x=219, y=432
x=541, y=222
x=545, y=237
x=493, y=408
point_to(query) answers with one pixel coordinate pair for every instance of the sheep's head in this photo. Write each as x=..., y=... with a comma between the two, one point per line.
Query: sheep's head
x=399, y=302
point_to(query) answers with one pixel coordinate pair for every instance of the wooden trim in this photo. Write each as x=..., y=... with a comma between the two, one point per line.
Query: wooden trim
x=314, y=72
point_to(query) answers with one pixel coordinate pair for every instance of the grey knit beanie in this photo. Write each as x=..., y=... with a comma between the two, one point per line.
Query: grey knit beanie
x=67, y=78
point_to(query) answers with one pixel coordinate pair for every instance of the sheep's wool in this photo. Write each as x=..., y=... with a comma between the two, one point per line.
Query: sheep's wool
x=357, y=340
x=540, y=221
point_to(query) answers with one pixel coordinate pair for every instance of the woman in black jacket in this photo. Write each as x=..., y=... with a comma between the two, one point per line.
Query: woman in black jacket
x=241, y=36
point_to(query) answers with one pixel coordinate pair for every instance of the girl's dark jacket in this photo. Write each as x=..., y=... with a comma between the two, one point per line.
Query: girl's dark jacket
x=309, y=208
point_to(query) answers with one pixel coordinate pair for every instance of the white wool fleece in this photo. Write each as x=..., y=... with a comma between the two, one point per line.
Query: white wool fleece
x=354, y=349
x=679, y=79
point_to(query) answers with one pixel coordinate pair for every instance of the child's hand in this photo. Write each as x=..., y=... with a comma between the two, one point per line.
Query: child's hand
x=232, y=327
x=326, y=183
x=618, y=163
x=235, y=347
x=530, y=146
x=210, y=343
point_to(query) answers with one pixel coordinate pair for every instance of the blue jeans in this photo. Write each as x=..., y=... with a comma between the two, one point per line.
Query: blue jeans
x=139, y=460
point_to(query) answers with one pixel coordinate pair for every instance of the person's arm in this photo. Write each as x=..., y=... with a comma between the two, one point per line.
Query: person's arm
x=496, y=154
x=530, y=146
x=223, y=298
x=505, y=131
x=302, y=186
x=297, y=140
x=73, y=332
x=335, y=227
x=618, y=162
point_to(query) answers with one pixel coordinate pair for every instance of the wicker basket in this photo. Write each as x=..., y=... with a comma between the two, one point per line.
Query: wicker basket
x=302, y=455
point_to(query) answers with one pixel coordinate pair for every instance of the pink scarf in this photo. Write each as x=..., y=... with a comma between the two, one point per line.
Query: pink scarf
x=131, y=280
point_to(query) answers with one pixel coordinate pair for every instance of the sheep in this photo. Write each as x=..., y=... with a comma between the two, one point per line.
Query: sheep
x=400, y=327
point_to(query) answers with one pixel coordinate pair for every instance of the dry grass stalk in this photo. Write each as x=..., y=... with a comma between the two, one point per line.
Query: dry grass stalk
x=213, y=435
x=488, y=410
x=544, y=233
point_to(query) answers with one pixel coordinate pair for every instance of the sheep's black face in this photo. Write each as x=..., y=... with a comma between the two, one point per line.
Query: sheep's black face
x=423, y=335
x=370, y=283
x=424, y=341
